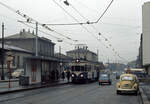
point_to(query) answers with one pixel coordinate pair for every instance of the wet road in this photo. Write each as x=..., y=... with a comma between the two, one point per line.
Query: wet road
x=90, y=93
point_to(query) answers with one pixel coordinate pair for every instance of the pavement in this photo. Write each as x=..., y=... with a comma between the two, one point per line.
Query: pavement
x=90, y=93
x=71, y=89
x=145, y=92
x=15, y=87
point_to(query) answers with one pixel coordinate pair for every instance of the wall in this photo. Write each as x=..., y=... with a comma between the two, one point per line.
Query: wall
x=28, y=71
x=146, y=32
x=78, y=55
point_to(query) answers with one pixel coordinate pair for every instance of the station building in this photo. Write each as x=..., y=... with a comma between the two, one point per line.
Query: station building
x=40, y=69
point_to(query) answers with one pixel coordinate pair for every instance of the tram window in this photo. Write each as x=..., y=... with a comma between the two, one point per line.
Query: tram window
x=85, y=69
x=73, y=68
x=77, y=68
x=82, y=68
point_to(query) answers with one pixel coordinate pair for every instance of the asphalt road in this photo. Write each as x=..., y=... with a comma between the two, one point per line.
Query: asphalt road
x=90, y=93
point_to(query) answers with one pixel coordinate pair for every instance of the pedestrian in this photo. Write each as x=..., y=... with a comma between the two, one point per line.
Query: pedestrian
x=68, y=75
x=63, y=75
x=57, y=75
x=53, y=75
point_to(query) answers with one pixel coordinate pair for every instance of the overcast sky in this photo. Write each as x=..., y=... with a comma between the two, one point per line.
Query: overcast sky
x=121, y=24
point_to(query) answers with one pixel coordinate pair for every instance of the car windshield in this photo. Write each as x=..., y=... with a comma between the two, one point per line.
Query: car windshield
x=127, y=78
x=104, y=76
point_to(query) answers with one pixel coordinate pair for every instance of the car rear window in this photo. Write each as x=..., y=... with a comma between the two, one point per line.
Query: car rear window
x=127, y=78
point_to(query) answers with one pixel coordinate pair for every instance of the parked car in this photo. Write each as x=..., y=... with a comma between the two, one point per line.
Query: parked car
x=17, y=73
x=105, y=79
x=128, y=83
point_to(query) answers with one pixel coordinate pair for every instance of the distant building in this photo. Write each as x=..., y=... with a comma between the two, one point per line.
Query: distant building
x=63, y=57
x=116, y=66
x=83, y=53
x=132, y=64
x=146, y=36
x=139, y=57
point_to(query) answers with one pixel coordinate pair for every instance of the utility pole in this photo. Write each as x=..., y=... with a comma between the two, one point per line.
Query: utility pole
x=2, y=74
x=97, y=55
x=36, y=42
x=60, y=53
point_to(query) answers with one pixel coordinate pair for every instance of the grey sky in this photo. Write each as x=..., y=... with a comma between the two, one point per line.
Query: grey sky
x=121, y=24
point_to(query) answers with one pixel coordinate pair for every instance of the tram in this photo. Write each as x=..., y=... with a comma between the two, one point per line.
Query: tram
x=84, y=71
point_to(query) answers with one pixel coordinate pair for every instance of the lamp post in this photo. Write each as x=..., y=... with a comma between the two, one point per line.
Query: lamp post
x=36, y=41
x=9, y=59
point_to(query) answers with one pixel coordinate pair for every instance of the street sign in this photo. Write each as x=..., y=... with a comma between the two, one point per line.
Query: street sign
x=9, y=58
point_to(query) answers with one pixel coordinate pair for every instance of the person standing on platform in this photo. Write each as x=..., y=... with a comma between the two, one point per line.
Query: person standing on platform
x=63, y=75
x=68, y=76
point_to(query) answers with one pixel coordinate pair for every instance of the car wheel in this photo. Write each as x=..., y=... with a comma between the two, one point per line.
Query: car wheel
x=117, y=92
x=136, y=93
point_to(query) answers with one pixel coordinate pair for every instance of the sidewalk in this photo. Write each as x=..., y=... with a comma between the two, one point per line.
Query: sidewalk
x=7, y=80
x=16, y=88
x=145, y=92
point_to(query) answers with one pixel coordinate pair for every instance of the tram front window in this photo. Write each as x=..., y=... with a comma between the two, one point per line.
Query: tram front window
x=78, y=68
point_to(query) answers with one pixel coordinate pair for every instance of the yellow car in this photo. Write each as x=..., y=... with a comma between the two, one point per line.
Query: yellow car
x=128, y=83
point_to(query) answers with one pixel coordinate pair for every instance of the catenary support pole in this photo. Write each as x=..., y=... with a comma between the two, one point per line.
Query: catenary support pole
x=36, y=42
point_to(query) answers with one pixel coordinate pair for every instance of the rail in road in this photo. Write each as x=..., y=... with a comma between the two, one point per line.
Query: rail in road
x=90, y=93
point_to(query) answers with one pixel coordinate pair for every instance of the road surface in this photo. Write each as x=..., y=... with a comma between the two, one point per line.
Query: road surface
x=90, y=93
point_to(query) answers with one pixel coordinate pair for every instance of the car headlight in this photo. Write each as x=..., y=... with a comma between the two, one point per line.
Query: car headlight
x=118, y=85
x=72, y=75
x=81, y=75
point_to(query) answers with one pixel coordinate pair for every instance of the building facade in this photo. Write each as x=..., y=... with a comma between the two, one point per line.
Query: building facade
x=18, y=55
x=40, y=69
x=27, y=40
x=146, y=36
x=83, y=53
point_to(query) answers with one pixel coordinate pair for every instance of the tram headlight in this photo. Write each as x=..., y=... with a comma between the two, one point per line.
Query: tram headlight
x=81, y=75
x=72, y=75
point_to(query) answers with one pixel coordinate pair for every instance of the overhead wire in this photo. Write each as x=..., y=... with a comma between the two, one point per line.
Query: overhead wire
x=22, y=22
x=85, y=19
x=82, y=23
x=45, y=32
x=104, y=11
x=29, y=20
x=78, y=21
x=95, y=27
x=90, y=25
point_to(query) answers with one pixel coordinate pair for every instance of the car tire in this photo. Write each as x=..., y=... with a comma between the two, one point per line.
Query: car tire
x=117, y=92
x=136, y=93
x=109, y=83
